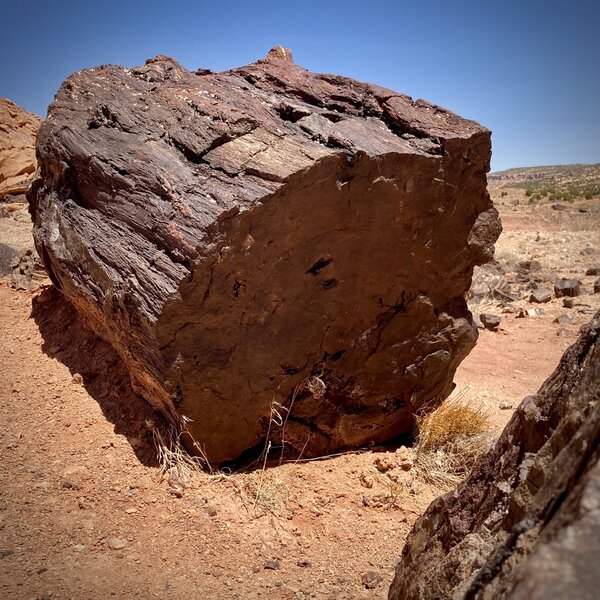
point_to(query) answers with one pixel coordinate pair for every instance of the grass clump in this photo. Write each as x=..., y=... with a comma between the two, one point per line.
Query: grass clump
x=450, y=440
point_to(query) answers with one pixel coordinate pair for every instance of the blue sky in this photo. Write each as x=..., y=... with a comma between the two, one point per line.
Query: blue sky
x=528, y=70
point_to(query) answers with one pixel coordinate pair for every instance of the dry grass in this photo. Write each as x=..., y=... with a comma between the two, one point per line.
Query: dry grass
x=450, y=440
x=175, y=463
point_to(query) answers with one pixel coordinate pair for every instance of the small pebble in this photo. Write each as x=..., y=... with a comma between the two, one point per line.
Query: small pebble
x=115, y=543
x=272, y=565
x=371, y=579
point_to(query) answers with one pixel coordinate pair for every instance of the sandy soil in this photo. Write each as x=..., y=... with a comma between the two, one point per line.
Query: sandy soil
x=84, y=512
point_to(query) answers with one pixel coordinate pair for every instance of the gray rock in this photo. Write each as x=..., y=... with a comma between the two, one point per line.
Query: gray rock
x=115, y=543
x=491, y=322
x=565, y=320
x=477, y=322
x=567, y=287
x=530, y=265
x=540, y=295
x=371, y=579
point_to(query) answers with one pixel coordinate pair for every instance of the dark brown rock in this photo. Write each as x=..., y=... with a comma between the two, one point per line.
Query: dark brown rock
x=567, y=287
x=565, y=320
x=526, y=522
x=568, y=302
x=593, y=271
x=530, y=265
x=540, y=296
x=266, y=245
x=597, y=286
x=491, y=322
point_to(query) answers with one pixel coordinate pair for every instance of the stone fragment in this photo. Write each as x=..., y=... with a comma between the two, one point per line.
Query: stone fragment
x=593, y=271
x=540, y=295
x=568, y=302
x=477, y=322
x=530, y=265
x=232, y=234
x=115, y=543
x=526, y=522
x=491, y=322
x=567, y=287
x=597, y=286
x=272, y=565
x=505, y=405
x=371, y=579
x=565, y=320
x=558, y=207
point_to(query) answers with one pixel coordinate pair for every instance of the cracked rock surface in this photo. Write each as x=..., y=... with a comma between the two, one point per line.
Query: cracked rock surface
x=526, y=522
x=268, y=249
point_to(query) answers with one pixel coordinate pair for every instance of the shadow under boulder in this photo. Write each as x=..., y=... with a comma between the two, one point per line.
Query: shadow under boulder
x=100, y=370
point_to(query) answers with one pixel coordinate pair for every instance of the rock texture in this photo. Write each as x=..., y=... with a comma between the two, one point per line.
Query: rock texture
x=268, y=249
x=18, y=129
x=526, y=523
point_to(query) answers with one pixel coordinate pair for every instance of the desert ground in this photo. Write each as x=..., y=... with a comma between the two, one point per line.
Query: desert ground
x=86, y=514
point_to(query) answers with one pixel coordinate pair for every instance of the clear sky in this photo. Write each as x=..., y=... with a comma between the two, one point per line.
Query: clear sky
x=529, y=70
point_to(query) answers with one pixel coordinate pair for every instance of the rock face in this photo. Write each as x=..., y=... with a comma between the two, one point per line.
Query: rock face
x=268, y=249
x=526, y=523
x=18, y=129
x=18, y=259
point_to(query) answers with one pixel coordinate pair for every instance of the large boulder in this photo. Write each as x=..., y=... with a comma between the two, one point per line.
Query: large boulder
x=272, y=252
x=526, y=522
x=18, y=129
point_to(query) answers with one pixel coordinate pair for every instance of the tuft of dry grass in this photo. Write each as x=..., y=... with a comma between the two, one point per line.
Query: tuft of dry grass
x=175, y=463
x=450, y=440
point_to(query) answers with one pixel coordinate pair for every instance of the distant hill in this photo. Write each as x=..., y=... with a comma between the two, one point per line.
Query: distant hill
x=557, y=182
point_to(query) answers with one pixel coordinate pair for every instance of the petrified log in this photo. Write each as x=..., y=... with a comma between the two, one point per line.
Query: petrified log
x=18, y=129
x=526, y=522
x=233, y=234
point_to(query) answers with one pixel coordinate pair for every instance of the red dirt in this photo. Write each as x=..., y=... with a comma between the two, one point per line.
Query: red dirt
x=78, y=469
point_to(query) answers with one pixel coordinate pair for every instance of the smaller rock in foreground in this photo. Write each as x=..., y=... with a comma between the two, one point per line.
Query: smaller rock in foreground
x=491, y=322
x=540, y=296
